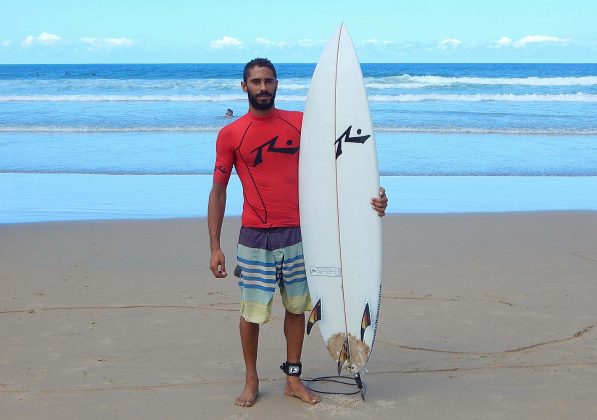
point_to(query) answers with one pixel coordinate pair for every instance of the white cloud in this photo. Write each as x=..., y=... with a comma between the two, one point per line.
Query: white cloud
x=119, y=42
x=226, y=42
x=449, y=43
x=376, y=42
x=5, y=43
x=530, y=40
x=539, y=39
x=97, y=43
x=311, y=43
x=264, y=42
x=44, y=38
x=28, y=41
x=503, y=42
x=89, y=40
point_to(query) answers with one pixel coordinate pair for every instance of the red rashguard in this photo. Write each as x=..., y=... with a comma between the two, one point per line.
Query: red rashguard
x=264, y=151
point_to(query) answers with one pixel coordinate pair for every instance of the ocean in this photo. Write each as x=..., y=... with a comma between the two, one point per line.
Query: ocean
x=109, y=141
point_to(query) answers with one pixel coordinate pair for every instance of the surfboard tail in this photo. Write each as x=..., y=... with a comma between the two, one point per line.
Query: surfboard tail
x=314, y=317
x=348, y=351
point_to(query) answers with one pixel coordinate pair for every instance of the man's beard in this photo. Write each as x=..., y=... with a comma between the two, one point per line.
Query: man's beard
x=262, y=106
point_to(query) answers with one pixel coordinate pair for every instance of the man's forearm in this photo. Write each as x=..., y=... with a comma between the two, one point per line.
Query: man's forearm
x=215, y=217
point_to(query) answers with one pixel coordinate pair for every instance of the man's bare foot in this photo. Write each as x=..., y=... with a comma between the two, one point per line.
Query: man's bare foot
x=249, y=395
x=295, y=388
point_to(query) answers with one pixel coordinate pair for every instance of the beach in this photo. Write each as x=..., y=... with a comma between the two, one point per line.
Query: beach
x=483, y=315
x=108, y=308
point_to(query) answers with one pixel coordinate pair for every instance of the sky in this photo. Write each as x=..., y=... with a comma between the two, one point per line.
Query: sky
x=232, y=31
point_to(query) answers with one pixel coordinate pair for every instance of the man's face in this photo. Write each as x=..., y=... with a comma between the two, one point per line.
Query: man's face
x=261, y=87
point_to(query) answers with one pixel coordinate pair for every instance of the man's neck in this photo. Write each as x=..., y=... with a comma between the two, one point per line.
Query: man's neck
x=261, y=112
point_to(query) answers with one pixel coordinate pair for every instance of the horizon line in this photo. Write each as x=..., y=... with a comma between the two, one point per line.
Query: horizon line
x=295, y=62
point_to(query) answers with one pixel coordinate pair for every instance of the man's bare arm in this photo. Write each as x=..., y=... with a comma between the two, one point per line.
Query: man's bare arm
x=215, y=217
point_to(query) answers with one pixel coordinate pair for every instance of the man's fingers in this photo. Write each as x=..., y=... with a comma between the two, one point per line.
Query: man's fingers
x=380, y=203
x=219, y=271
x=218, y=267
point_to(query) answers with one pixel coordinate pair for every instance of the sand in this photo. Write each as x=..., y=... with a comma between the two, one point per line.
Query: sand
x=484, y=316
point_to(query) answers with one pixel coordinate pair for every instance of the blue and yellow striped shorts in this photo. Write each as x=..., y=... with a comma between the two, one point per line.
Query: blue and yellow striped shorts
x=267, y=257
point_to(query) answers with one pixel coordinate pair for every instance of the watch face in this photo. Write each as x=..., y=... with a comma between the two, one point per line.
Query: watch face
x=293, y=369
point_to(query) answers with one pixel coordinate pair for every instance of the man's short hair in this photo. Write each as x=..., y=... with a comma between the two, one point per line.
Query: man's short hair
x=258, y=62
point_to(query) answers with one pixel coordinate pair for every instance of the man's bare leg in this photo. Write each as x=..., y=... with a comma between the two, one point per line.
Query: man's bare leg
x=249, y=337
x=294, y=330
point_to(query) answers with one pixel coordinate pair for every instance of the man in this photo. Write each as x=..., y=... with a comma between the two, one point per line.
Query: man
x=263, y=146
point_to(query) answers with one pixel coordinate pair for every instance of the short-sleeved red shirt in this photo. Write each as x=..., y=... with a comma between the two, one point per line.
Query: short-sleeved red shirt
x=264, y=151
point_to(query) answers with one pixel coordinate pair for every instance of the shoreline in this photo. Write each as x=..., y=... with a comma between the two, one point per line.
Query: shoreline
x=46, y=197
x=236, y=218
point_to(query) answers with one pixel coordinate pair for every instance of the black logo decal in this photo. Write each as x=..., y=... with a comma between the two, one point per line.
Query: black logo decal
x=221, y=169
x=348, y=139
x=271, y=147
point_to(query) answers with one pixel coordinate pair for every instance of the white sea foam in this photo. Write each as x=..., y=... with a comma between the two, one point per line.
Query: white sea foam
x=122, y=98
x=404, y=81
x=128, y=85
x=161, y=84
x=484, y=97
x=92, y=129
x=481, y=97
x=382, y=129
x=419, y=82
x=496, y=130
x=139, y=98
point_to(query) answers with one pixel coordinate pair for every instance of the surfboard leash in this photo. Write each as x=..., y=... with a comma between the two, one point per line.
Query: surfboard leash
x=349, y=381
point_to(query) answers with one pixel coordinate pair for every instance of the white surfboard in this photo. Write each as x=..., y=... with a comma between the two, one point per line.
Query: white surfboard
x=338, y=176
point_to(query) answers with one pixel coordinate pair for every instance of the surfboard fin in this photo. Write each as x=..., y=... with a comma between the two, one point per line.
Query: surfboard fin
x=365, y=321
x=344, y=355
x=314, y=317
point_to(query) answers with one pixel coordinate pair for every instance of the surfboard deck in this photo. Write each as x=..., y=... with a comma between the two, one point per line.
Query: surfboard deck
x=338, y=176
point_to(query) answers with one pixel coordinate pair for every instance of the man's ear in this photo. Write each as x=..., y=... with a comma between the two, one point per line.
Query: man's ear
x=243, y=85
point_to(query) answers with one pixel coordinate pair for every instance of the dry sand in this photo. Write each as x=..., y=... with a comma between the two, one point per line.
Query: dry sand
x=485, y=316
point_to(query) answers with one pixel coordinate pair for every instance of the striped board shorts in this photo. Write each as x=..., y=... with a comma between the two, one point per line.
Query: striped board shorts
x=267, y=257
